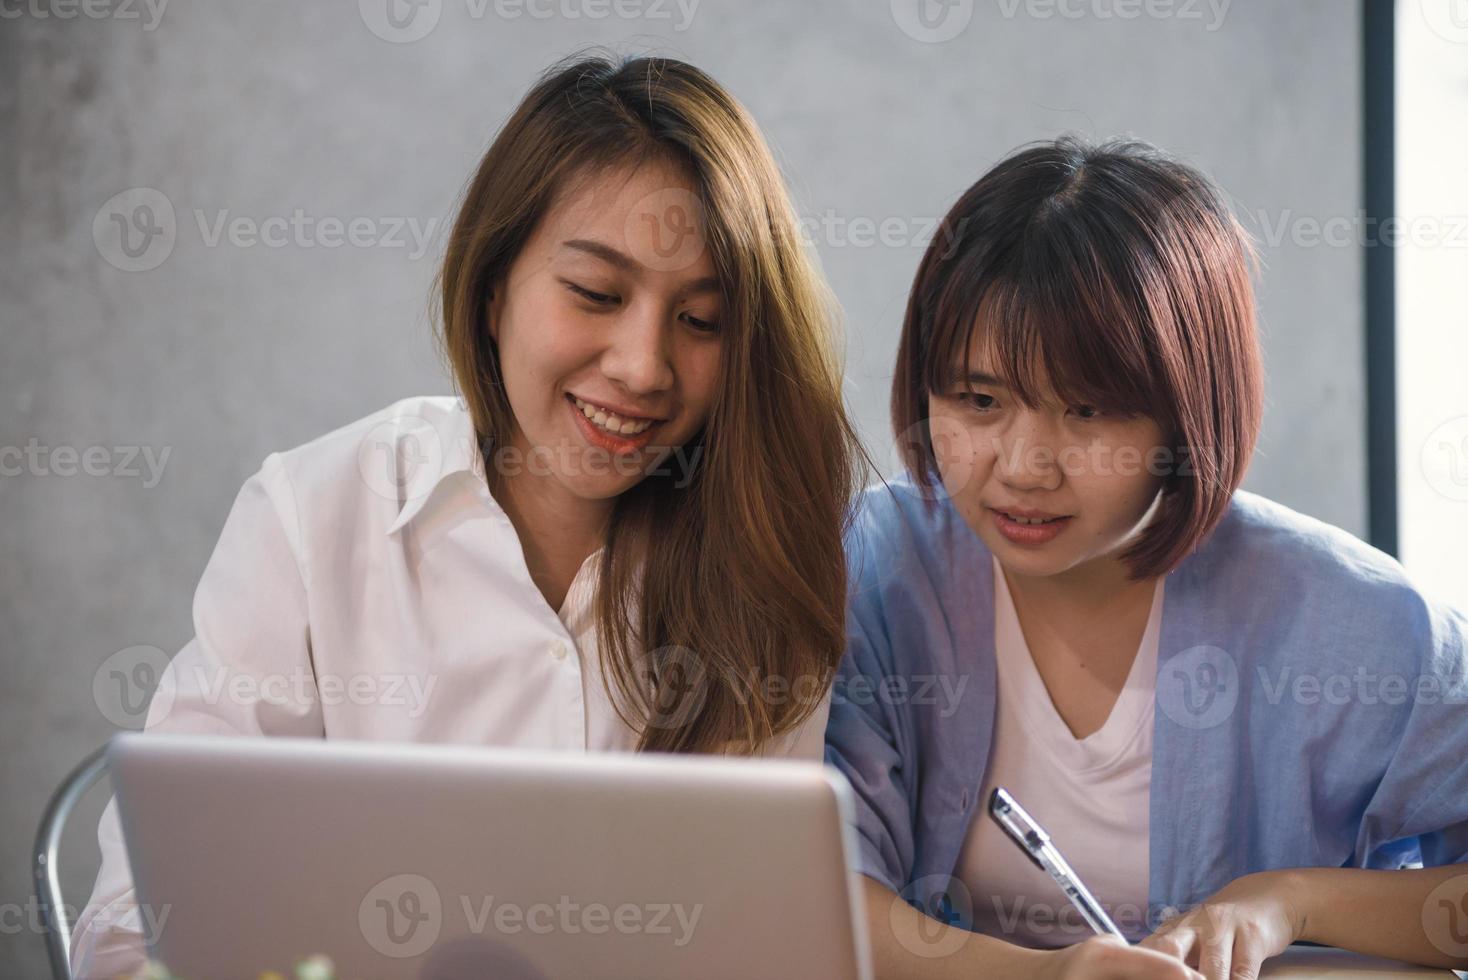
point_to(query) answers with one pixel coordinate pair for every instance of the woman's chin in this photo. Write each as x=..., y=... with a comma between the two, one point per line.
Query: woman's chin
x=597, y=488
x=1038, y=561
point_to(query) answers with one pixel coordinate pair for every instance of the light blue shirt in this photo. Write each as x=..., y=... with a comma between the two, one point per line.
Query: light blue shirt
x=1312, y=706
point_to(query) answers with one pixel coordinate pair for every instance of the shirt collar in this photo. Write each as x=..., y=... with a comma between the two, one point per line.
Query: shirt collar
x=430, y=447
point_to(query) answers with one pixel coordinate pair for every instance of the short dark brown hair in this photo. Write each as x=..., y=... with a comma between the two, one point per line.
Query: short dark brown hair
x=1117, y=277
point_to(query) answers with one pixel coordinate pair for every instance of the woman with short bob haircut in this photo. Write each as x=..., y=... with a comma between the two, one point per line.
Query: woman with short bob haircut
x=624, y=534
x=1115, y=630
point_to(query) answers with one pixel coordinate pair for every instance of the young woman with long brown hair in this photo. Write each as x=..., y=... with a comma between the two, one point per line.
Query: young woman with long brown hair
x=624, y=535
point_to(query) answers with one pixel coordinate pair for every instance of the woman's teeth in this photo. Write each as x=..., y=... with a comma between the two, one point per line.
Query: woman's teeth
x=1031, y=520
x=610, y=421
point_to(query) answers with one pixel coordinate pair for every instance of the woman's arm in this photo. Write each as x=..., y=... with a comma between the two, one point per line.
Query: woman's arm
x=1418, y=915
x=908, y=945
x=250, y=626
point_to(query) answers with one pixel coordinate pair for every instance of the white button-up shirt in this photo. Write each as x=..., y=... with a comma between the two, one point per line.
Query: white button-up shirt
x=367, y=585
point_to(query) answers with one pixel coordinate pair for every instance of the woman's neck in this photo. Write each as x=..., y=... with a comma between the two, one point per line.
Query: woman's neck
x=1083, y=630
x=1103, y=586
x=557, y=529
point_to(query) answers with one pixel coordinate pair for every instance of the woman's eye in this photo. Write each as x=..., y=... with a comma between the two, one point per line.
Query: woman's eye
x=601, y=299
x=979, y=400
x=1086, y=411
x=702, y=326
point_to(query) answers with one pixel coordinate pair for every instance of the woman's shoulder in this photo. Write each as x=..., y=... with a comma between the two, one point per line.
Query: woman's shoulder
x=1257, y=532
x=383, y=462
x=902, y=528
x=1278, y=559
x=899, y=513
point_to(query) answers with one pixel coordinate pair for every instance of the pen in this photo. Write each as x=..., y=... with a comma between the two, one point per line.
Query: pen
x=1032, y=839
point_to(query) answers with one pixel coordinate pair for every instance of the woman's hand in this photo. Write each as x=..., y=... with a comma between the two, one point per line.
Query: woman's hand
x=1108, y=958
x=1232, y=933
x=908, y=945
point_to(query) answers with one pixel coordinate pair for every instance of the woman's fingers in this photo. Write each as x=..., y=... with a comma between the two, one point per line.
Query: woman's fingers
x=1249, y=954
x=1216, y=955
x=1176, y=942
x=1105, y=958
x=1208, y=944
x=1222, y=947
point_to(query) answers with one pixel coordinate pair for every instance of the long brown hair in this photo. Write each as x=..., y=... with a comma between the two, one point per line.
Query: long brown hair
x=721, y=597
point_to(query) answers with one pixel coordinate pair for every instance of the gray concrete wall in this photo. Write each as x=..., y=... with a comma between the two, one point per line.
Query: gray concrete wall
x=223, y=352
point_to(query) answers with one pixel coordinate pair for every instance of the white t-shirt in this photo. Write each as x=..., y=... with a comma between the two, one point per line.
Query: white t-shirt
x=367, y=585
x=1090, y=794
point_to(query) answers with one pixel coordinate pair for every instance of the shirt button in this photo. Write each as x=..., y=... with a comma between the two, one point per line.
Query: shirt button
x=558, y=650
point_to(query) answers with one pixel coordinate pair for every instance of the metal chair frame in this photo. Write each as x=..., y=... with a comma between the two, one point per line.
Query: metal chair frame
x=56, y=928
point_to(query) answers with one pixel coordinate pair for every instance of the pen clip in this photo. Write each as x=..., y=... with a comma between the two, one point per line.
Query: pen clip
x=1018, y=824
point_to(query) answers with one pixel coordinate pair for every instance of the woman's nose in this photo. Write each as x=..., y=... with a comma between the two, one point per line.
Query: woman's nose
x=639, y=357
x=1026, y=457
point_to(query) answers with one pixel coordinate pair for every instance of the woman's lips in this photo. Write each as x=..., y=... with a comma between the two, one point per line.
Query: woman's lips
x=604, y=438
x=1028, y=534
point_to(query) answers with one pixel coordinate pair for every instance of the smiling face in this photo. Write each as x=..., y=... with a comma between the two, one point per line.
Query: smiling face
x=608, y=330
x=1051, y=489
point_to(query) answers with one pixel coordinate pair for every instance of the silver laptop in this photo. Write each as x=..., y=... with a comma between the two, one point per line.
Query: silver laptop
x=437, y=862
